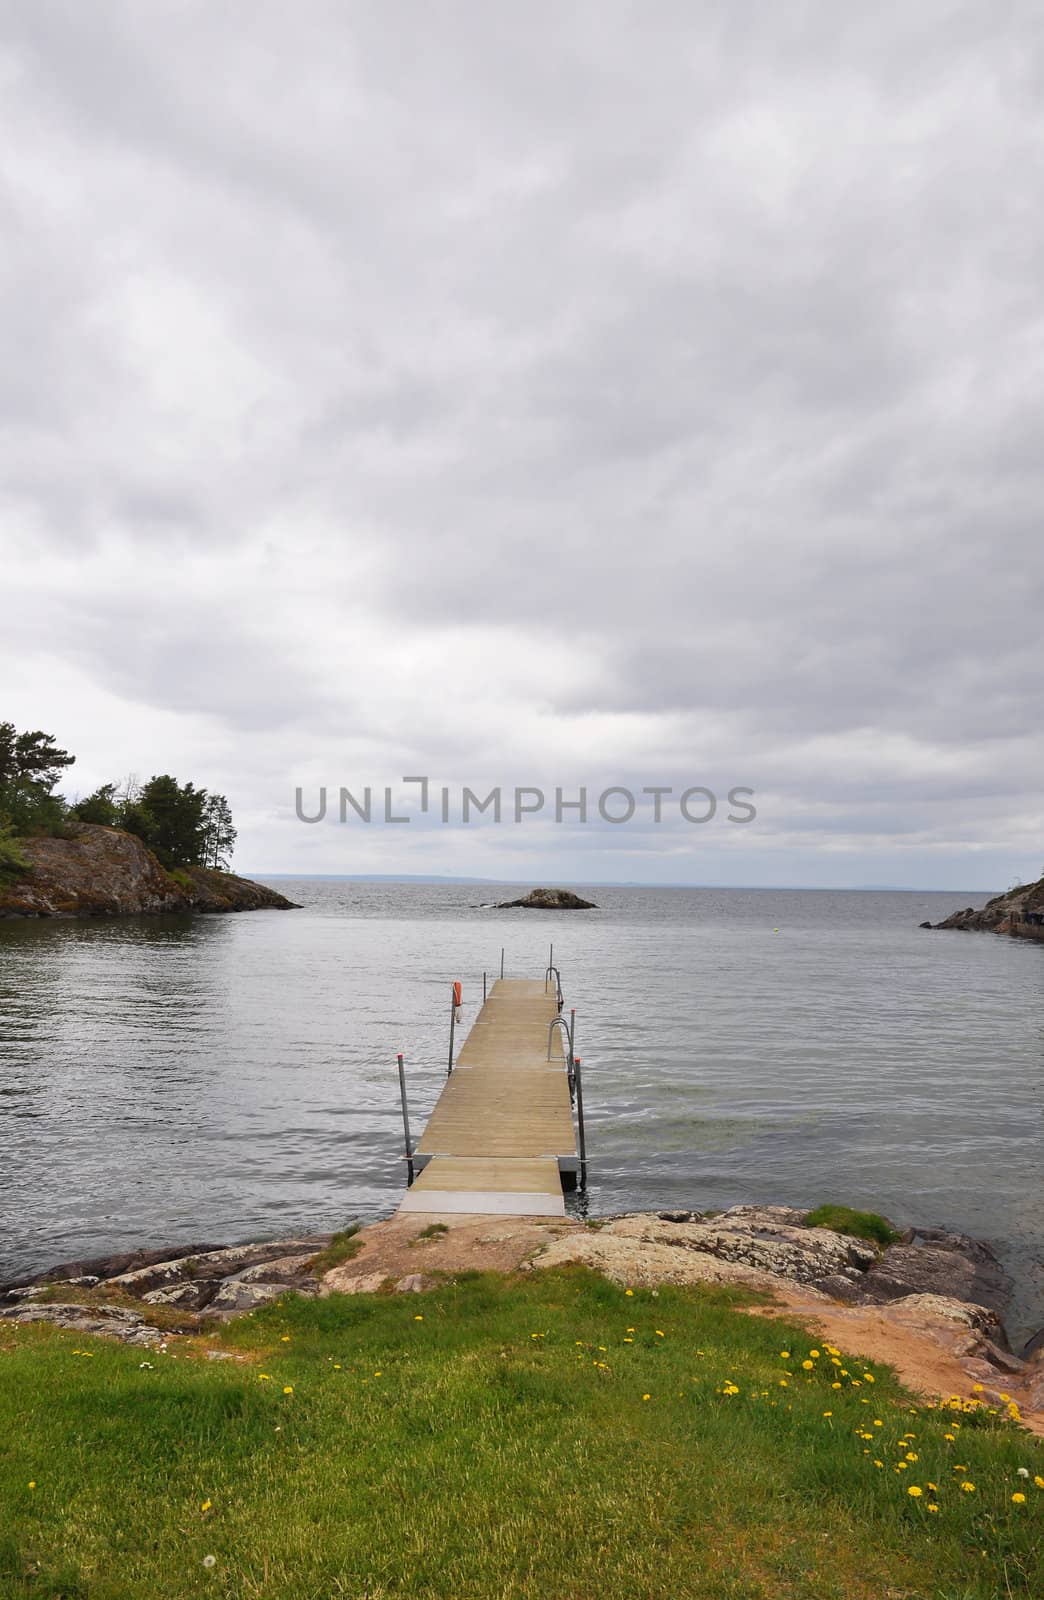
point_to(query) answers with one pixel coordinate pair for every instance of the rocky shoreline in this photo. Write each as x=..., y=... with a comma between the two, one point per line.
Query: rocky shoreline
x=931, y=1304
x=1019, y=912
x=104, y=872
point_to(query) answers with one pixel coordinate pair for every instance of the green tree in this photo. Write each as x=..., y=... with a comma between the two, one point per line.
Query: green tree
x=169, y=818
x=30, y=766
x=219, y=834
x=101, y=806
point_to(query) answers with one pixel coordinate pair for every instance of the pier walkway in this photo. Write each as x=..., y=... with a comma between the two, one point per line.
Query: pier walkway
x=501, y=1137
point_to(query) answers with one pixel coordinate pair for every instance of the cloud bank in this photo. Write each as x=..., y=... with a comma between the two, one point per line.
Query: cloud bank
x=611, y=396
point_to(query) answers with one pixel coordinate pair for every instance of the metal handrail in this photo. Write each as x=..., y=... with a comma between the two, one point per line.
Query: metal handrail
x=558, y=984
x=557, y=1022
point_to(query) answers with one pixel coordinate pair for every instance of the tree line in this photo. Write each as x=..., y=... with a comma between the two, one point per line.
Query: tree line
x=182, y=825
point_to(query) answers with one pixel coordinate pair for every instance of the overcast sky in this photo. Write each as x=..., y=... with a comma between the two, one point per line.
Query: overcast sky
x=536, y=394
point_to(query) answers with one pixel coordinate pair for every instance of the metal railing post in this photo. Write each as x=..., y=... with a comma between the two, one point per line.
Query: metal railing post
x=483, y=988
x=453, y=1024
x=502, y=961
x=580, y=1120
x=406, y=1120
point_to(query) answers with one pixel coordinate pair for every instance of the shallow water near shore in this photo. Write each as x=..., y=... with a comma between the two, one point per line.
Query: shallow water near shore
x=232, y=1077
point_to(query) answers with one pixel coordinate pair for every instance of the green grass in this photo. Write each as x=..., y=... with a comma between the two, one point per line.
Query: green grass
x=434, y=1230
x=342, y=1247
x=497, y=1439
x=14, y=863
x=857, y=1224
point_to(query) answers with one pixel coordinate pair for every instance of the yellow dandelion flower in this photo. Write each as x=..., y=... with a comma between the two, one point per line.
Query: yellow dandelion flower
x=931, y=1506
x=645, y=1397
x=32, y=1483
x=628, y=1291
x=835, y=1386
x=376, y=1374
x=869, y=1377
x=878, y=1463
x=783, y=1383
x=1018, y=1499
x=205, y=1506
x=418, y=1319
x=976, y=1388
x=263, y=1377
x=1039, y=1481
x=814, y=1354
x=969, y=1488
x=784, y=1355
x=911, y=1456
x=288, y=1389
x=878, y=1423
x=951, y=1438
x=285, y=1339
x=628, y=1341
x=659, y=1333
x=828, y=1413
x=808, y=1365
x=915, y=1491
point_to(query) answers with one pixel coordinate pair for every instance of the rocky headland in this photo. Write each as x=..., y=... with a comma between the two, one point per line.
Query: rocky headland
x=104, y=872
x=1018, y=912
x=930, y=1304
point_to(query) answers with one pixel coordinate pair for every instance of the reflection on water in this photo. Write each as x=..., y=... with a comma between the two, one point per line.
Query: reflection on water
x=225, y=1077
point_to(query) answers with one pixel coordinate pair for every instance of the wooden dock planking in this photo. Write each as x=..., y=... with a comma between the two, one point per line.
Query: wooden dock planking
x=504, y=1120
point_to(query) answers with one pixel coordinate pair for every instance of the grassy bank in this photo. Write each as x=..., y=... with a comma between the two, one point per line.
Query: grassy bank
x=546, y=1436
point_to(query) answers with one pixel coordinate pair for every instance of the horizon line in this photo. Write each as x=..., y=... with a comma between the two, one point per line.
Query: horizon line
x=610, y=883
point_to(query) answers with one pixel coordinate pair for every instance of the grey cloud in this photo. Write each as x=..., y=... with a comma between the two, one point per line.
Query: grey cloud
x=701, y=345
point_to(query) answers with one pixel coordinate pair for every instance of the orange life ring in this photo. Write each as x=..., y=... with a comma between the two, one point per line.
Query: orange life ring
x=457, y=994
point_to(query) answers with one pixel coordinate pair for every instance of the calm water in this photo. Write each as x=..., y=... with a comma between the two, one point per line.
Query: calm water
x=229, y=1077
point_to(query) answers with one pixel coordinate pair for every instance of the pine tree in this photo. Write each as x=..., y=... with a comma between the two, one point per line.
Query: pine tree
x=220, y=834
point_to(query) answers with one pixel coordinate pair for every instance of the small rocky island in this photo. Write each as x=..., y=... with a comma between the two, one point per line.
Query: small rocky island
x=104, y=872
x=548, y=900
x=1018, y=912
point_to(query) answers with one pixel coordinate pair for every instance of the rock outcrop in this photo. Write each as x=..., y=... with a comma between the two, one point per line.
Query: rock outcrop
x=548, y=900
x=104, y=872
x=931, y=1292
x=216, y=1280
x=1019, y=912
x=759, y=1245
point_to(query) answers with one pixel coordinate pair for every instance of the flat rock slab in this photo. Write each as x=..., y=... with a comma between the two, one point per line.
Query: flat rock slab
x=113, y=1322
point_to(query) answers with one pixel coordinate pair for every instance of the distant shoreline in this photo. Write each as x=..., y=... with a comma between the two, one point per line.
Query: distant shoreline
x=592, y=883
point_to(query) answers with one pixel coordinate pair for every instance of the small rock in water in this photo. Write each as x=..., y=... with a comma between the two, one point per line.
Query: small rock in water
x=549, y=900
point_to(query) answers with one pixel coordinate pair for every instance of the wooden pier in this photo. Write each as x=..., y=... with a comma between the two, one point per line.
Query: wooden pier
x=501, y=1138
